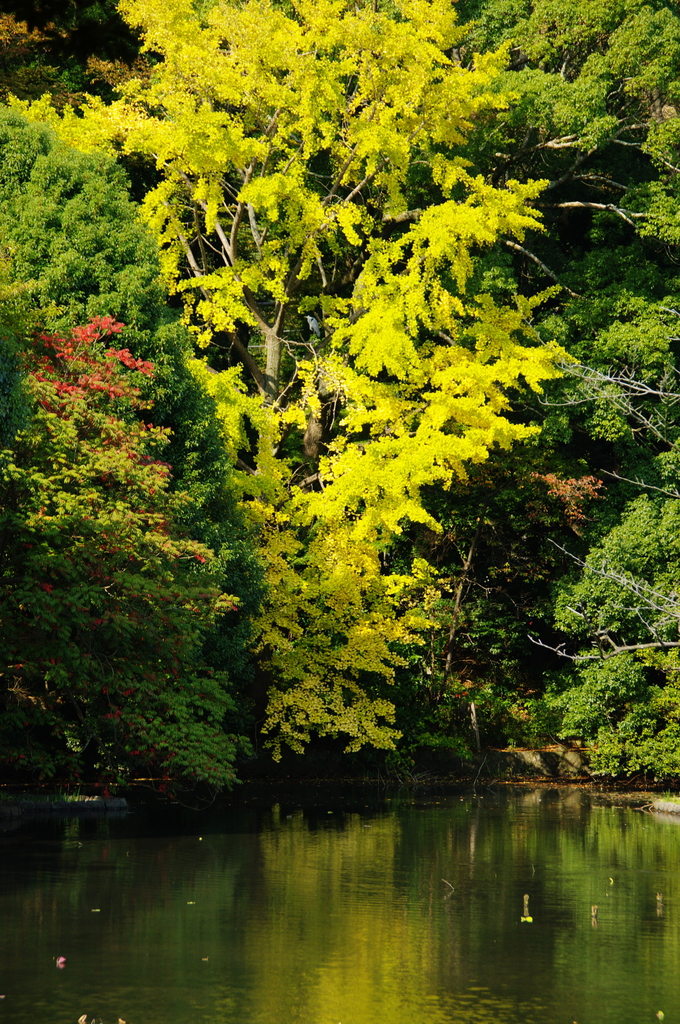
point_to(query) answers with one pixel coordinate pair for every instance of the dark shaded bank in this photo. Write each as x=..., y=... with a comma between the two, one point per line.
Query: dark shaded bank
x=325, y=764
x=255, y=802
x=326, y=759
x=26, y=806
x=323, y=803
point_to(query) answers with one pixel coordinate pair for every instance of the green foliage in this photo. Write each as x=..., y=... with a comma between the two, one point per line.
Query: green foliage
x=10, y=392
x=72, y=232
x=370, y=167
x=630, y=580
x=77, y=249
x=15, y=322
x=605, y=697
x=104, y=602
x=595, y=111
x=12, y=404
x=622, y=693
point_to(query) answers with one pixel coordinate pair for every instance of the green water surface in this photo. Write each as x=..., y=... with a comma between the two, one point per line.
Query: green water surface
x=351, y=909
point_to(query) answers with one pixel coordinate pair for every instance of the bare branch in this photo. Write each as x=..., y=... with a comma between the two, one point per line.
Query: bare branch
x=665, y=604
x=605, y=656
x=253, y=227
x=621, y=390
x=571, y=142
x=238, y=216
x=656, y=156
x=249, y=363
x=403, y=218
x=565, y=142
x=641, y=483
x=574, y=167
x=245, y=468
x=587, y=178
x=324, y=279
x=624, y=380
x=546, y=270
x=666, y=163
x=362, y=184
x=626, y=215
x=341, y=174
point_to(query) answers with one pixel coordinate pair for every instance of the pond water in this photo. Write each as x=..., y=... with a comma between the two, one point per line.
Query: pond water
x=322, y=908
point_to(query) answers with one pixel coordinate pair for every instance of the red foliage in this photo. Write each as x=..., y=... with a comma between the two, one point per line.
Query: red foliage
x=572, y=493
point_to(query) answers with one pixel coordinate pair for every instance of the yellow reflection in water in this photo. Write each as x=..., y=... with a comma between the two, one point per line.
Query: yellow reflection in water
x=344, y=938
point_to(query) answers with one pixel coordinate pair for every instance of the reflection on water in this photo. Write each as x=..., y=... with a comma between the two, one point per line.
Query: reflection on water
x=352, y=911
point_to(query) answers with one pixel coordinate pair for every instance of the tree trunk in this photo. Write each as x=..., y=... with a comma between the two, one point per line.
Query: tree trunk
x=272, y=366
x=475, y=725
x=467, y=565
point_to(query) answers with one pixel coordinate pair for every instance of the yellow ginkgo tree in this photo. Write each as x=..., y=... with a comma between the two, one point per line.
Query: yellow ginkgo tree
x=315, y=212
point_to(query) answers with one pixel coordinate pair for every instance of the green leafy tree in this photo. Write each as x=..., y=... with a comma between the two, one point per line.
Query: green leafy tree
x=15, y=323
x=75, y=249
x=105, y=602
x=595, y=112
x=622, y=618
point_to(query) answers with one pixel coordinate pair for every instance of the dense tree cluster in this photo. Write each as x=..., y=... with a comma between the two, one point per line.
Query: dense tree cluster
x=104, y=617
x=389, y=449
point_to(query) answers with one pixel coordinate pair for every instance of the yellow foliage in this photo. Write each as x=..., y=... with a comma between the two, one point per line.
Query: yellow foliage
x=285, y=138
x=330, y=634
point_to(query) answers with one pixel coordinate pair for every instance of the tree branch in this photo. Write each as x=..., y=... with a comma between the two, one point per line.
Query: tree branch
x=604, y=656
x=666, y=604
x=587, y=178
x=641, y=483
x=546, y=270
x=403, y=218
x=609, y=207
x=574, y=167
x=341, y=174
x=604, y=386
x=467, y=565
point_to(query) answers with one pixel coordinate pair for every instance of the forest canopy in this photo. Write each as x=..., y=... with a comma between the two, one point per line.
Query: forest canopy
x=407, y=277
